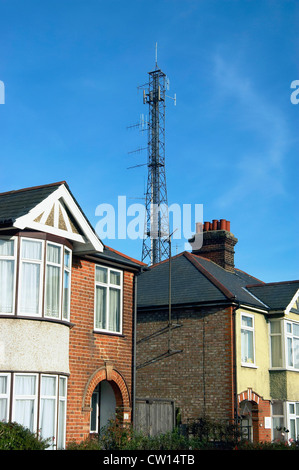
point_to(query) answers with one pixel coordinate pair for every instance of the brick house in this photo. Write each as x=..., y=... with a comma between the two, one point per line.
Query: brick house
x=66, y=318
x=220, y=343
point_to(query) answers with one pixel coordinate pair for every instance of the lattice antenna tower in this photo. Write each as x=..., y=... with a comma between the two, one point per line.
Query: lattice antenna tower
x=156, y=245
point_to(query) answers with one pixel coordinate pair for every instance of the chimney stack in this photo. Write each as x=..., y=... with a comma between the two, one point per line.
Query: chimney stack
x=217, y=243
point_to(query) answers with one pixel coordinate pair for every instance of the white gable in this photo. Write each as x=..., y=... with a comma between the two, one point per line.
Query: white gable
x=60, y=215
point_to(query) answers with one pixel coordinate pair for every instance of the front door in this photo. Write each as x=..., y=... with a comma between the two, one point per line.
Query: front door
x=103, y=406
x=246, y=419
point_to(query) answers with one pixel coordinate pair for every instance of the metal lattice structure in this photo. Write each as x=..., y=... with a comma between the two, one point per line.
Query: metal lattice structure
x=156, y=234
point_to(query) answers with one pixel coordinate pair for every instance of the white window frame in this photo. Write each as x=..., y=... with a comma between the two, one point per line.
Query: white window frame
x=251, y=329
x=37, y=397
x=41, y=284
x=61, y=399
x=290, y=336
x=293, y=417
x=67, y=269
x=56, y=265
x=108, y=286
x=26, y=397
x=6, y=395
x=55, y=399
x=14, y=259
x=282, y=341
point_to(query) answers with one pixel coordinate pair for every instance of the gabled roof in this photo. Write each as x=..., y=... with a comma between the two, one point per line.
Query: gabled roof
x=194, y=280
x=279, y=296
x=50, y=208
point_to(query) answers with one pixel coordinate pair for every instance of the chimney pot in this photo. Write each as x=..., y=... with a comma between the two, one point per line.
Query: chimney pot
x=215, y=224
x=223, y=224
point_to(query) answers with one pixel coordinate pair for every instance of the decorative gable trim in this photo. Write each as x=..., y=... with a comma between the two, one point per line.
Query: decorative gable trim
x=291, y=304
x=59, y=214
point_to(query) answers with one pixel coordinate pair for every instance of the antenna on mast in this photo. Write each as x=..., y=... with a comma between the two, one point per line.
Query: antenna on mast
x=156, y=55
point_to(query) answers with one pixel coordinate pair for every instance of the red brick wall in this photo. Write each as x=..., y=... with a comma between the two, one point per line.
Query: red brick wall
x=200, y=378
x=96, y=356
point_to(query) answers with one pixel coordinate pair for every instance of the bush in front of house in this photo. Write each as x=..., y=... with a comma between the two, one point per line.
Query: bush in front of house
x=200, y=434
x=14, y=436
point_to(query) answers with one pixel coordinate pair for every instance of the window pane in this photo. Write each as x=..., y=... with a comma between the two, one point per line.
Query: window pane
x=289, y=327
x=3, y=409
x=94, y=412
x=275, y=327
x=114, y=310
x=292, y=408
x=30, y=288
x=25, y=385
x=67, y=258
x=6, y=285
x=295, y=329
x=3, y=384
x=62, y=387
x=289, y=352
x=247, y=346
x=101, y=274
x=24, y=413
x=6, y=247
x=292, y=429
x=296, y=352
x=48, y=387
x=276, y=351
x=47, y=419
x=53, y=291
x=115, y=278
x=25, y=390
x=277, y=408
x=247, y=321
x=101, y=297
x=61, y=425
x=53, y=254
x=66, y=292
x=31, y=249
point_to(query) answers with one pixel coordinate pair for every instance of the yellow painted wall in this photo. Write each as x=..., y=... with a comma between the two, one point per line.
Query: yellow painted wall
x=256, y=378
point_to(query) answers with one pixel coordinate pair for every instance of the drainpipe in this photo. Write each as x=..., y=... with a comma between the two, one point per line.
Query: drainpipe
x=234, y=308
x=134, y=349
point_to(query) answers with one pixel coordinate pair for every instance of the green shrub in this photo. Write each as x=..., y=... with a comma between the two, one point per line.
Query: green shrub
x=13, y=436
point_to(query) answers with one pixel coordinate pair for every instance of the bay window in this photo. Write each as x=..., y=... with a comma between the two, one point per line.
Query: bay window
x=292, y=346
x=108, y=299
x=37, y=402
x=44, y=279
x=284, y=343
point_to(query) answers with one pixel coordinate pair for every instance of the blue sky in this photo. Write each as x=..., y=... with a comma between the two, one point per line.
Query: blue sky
x=71, y=70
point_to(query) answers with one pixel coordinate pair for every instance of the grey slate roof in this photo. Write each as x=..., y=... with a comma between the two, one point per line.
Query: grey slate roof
x=277, y=295
x=194, y=280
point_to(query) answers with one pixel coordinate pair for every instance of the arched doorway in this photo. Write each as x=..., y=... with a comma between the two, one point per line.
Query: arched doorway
x=246, y=420
x=103, y=406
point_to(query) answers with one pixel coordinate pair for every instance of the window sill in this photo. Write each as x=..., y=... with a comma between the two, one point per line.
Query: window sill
x=250, y=366
x=37, y=318
x=109, y=333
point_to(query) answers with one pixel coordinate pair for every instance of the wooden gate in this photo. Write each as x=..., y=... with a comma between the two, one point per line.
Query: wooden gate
x=154, y=416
